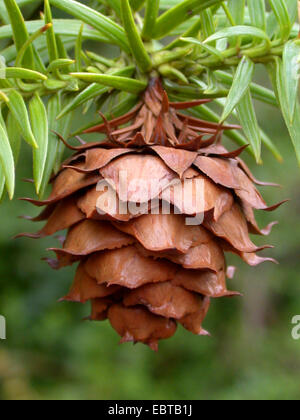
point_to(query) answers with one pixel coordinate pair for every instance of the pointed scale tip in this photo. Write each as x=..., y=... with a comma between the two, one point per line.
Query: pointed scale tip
x=64, y=141
x=153, y=346
x=204, y=333
x=54, y=264
x=127, y=338
x=231, y=270
x=28, y=235
x=268, y=229
x=276, y=206
x=24, y=217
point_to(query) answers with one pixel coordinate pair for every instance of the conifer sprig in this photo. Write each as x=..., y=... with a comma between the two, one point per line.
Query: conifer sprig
x=52, y=67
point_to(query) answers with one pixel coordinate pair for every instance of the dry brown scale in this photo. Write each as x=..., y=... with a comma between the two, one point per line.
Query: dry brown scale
x=148, y=272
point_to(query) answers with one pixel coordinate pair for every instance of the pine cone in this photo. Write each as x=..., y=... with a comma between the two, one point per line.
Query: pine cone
x=145, y=270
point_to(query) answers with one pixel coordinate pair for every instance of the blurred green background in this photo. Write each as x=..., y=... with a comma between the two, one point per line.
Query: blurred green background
x=50, y=353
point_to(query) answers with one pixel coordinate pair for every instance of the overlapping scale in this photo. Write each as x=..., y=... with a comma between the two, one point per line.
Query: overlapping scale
x=88, y=237
x=138, y=178
x=86, y=288
x=163, y=232
x=128, y=268
x=137, y=324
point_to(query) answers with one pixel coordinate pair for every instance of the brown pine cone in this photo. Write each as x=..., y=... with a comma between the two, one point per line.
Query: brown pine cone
x=141, y=268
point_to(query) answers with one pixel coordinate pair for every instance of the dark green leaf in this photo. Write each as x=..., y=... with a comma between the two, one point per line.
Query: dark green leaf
x=61, y=47
x=92, y=91
x=18, y=108
x=100, y=59
x=53, y=107
x=257, y=11
x=29, y=43
x=192, y=91
x=152, y=8
x=239, y=31
x=121, y=83
x=54, y=85
x=179, y=14
x=62, y=27
x=205, y=47
x=237, y=10
x=78, y=50
x=2, y=176
x=95, y=19
x=294, y=127
x=249, y=123
x=58, y=64
x=14, y=136
x=192, y=31
x=136, y=4
x=55, y=146
x=282, y=16
x=291, y=75
x=137, y=47
x=51, y=40
x=240, y=86
x=39, y=63
x=2, y=184
x=7, y=161
x=167, y=4
x=292, y=7
x=20, y=33
x=115, y=5
x=5, y=19
x=20, y=73
x=39, y=125
x=258, y=92
x=208, y=27
x=10, y=52
x=170, y=71
x=165, y=56
x=228, y=15
x=23, y=3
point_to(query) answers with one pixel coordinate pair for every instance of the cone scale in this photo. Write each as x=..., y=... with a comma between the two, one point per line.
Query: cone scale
x=145, y=270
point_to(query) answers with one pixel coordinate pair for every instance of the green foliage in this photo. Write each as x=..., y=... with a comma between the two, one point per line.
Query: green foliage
x=291, y=76
x=137, y=47
x=284, y=100
x=20, y=33
x=7, y=160
x=247, y=117
x=17, y=107
x=90, y=53
x=151, y=13
x=51, y=40
x=114, y=32
x=282, y=16
x=240, y=85
x=117, y=82
x=257, y=13
x=237, y=10
x=39, y=122
x=181, y=12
